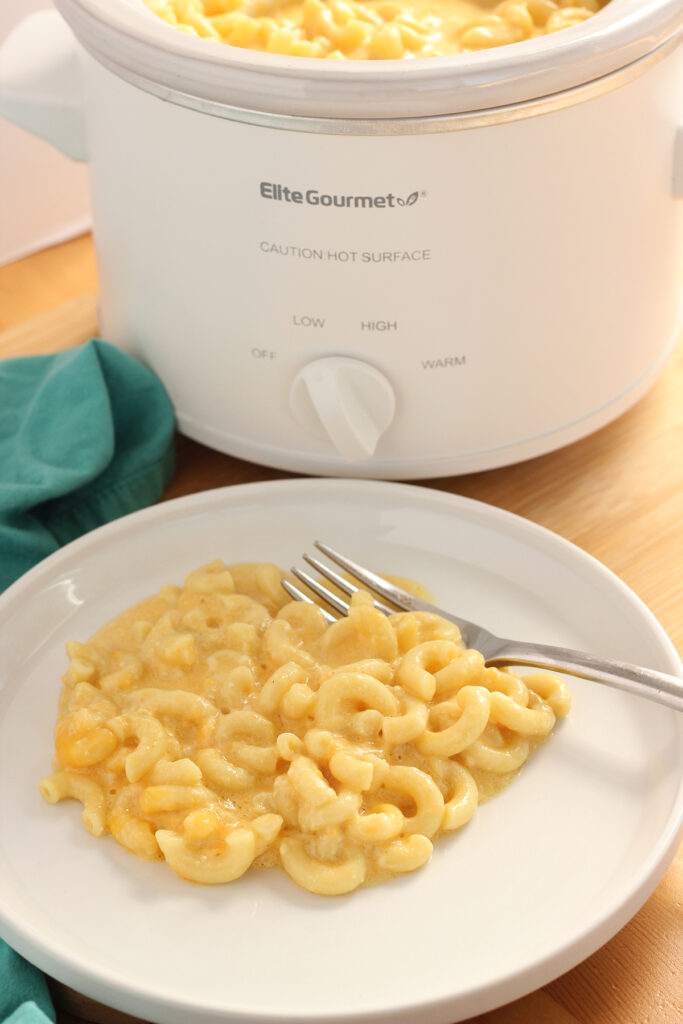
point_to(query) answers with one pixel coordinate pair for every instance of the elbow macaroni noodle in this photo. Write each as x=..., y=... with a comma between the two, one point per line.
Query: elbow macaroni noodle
x=371, y=29
x=221, y=726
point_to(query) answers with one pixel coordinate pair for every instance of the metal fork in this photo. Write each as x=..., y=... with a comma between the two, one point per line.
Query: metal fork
x=656, y=686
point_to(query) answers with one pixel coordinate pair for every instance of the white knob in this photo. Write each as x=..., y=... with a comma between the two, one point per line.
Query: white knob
x=346, y=401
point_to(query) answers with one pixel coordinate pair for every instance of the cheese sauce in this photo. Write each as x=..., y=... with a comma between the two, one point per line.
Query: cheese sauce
x=373, y=29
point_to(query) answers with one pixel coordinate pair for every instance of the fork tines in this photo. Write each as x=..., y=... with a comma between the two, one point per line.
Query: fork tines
x=401, y=599
x=299, y=595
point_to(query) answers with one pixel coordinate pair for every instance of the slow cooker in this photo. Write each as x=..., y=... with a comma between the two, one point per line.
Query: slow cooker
x=388, y=269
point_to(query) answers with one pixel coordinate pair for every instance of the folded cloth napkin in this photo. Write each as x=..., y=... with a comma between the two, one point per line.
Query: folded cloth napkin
x=86, y=436
x=24, y=996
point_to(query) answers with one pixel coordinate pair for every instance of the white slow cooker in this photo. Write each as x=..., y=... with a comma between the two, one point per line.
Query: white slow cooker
x=383, y=268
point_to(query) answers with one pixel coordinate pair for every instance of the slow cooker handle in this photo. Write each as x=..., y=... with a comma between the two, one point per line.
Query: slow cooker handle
x=40, y=82
x=678, y=164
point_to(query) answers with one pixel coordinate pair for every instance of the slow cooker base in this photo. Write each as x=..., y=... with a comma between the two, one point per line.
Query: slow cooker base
x=429, y=467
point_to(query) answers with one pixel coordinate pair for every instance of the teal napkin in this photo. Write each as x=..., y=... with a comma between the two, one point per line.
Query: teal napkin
x=86, y=436
x=24, y=996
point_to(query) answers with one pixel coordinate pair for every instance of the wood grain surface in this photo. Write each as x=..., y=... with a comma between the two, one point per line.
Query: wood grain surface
x=618, y=494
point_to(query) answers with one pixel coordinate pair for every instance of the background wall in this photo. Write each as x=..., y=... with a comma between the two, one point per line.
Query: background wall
x=43, y=195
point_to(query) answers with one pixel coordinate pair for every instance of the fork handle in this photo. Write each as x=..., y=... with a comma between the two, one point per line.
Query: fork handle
x=657, y=686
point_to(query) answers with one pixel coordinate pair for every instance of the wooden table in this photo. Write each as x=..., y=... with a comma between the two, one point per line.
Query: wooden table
x=617, y=494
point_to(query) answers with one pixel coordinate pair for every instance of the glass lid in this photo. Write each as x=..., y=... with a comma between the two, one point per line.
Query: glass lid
x=132, y=41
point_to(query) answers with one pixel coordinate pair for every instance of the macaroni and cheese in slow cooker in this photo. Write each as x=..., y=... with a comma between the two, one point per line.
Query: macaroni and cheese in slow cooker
x=220, y=725
x=371, y=29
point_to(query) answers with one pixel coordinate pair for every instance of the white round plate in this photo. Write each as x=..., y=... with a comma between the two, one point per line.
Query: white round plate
x=544, y=874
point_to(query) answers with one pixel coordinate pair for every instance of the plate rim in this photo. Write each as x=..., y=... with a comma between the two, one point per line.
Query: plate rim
x=165, y=509
x=516, y=983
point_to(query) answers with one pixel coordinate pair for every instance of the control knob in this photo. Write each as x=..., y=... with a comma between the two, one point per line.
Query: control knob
x=346, y=401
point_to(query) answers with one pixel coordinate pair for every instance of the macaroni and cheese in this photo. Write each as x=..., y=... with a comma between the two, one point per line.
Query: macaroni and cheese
x=371, y=29
x=220, y=725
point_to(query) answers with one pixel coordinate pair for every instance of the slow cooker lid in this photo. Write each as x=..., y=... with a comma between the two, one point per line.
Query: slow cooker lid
x=130, y=40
